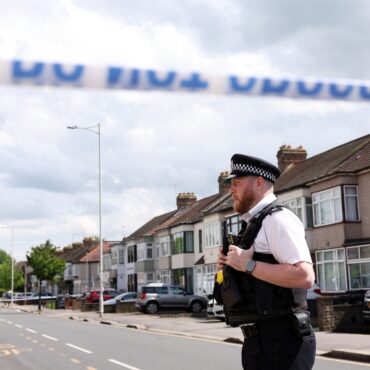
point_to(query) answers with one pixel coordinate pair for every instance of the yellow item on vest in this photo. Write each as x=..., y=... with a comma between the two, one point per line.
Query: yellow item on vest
x=220, y=277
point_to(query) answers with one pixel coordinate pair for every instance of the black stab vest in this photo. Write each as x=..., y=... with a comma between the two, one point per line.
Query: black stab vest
x=250, y=300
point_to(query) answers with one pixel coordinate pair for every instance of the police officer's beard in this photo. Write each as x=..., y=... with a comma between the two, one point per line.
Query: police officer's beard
x=245, y=203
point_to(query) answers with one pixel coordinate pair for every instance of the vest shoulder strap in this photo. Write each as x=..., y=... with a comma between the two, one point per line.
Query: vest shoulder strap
x=255, y=224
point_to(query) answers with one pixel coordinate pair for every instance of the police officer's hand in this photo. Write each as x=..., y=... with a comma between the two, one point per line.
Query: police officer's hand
x=221, y=260
x=237, y=257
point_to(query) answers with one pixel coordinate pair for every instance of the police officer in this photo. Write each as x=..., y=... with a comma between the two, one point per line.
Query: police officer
x=285, y=340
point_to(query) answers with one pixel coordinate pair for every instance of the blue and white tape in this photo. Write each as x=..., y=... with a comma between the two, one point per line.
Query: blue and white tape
x=19, y=72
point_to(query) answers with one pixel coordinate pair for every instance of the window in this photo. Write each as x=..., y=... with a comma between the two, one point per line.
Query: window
x=75, y=270
x=233, y=224
x=121, y=256
x=331, y=270
x=359, y=267
x=132, y=282
x=114, y=256
x=107, y=262
x=141, y=252
x=302, y=208
x=149, y=251
x=177, y=290
x=184, y=278
x=182, y=242
x=149, y=277
x=164, y=249
x=165, y=276
x=212, y=238
x=205, y=278
x=200, y=241
x=131, y=254
x=296, y=206
x=351, y=203
x=327, y=207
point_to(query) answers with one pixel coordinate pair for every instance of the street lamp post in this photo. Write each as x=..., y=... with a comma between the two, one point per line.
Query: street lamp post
x=11, y=227
x=98, y=132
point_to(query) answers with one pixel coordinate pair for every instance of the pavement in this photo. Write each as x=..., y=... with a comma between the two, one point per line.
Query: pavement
x=354, y=347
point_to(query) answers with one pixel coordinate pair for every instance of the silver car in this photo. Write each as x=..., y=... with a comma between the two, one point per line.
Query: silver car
x=157, y=295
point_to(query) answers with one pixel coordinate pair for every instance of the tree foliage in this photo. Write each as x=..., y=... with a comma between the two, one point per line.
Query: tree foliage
x=45, y=264
x=6, y=274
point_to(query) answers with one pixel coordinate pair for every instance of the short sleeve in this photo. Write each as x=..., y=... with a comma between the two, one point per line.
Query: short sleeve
x=285, y=236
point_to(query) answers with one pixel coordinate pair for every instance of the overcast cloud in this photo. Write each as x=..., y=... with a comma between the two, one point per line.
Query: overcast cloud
x=154, y=144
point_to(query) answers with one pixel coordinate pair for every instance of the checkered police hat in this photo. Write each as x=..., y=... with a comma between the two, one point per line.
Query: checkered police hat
x=245, y=165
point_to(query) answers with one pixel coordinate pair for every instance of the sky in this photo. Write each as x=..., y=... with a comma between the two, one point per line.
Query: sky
x=157, y=144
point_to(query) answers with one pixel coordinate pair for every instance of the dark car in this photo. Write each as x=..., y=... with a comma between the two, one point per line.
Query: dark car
x=366, y=311
x=94, y=295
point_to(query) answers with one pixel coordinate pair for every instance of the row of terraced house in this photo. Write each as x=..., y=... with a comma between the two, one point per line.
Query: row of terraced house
x=329, y=192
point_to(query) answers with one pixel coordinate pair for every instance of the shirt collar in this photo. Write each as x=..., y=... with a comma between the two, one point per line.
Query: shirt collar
x=268, y=199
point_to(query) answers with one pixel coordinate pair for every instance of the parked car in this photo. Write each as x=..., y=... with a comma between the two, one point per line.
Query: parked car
x=94, y=295
x=123, y=297
x=215, y=310
x=157, y=295
x=314, y=292
x=366, y=311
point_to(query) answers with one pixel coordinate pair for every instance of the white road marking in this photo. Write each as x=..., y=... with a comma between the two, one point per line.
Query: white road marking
x=78, y=348
x=9, y=322
x=75, y=360
x=19, y=326
x=48, y=337
x=2, y=320
x=31, y=331
x=123, y=365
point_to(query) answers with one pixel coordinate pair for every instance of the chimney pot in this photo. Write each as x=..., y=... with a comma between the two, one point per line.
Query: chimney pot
x=222, y=187
x=185, y=199
x=288, y=156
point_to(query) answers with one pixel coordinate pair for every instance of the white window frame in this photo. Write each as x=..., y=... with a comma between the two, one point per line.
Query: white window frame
x=165, y=276
x=316, y=201
x=114, y=256
x=293, y=205
x=352, y=261
x=141, y=252
x=345, y=196
x=121, y=256
x=164, y=240
x=337, y=260
x=212, y=235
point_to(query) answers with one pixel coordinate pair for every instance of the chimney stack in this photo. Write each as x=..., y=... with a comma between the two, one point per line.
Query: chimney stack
x=185, y=199
x=288, y=156
x=223, y=188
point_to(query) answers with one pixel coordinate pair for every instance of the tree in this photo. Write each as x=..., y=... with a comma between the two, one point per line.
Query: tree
x=45, y=264
x=6, y=273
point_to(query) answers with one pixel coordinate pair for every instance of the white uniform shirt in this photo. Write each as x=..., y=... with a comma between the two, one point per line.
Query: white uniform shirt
x=282, y=234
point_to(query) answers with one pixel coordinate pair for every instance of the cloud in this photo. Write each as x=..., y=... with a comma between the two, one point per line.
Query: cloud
x=154, y=143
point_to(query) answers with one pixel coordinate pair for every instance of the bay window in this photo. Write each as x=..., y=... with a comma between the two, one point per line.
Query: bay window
x=327, y=207
x=359, y=267
x=331, y=270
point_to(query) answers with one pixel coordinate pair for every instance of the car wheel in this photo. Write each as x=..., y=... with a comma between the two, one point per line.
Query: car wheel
x=196, y=307
x=151, y=307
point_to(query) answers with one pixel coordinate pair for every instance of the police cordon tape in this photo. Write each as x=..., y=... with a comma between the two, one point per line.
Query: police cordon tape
x=20, y=72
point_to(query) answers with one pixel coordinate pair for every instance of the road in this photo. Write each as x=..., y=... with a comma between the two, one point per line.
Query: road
x=31, y=341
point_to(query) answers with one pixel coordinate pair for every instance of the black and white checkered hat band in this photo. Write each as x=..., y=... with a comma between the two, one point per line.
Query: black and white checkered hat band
x=252, y=170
